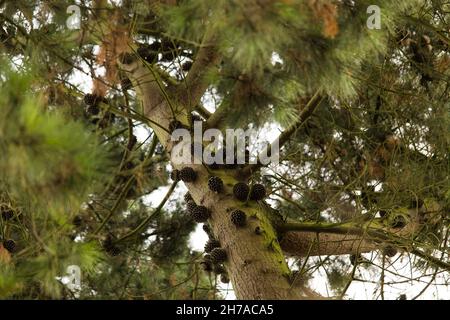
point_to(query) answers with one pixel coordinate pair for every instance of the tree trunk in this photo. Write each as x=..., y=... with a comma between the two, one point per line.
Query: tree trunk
x=256, y=265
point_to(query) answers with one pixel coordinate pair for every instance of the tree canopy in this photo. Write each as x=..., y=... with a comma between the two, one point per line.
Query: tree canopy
x=357, y=206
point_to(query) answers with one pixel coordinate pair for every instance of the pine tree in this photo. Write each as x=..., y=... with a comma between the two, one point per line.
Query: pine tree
x=364, y=137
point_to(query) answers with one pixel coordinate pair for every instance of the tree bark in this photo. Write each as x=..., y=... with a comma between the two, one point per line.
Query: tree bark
x=303, y=244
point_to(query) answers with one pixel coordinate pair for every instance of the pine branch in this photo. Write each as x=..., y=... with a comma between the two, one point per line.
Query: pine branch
x=367, y=235
x=154, y=214
x=115, y=206
x=286, y=135
x=192, y=89
x=217, y=117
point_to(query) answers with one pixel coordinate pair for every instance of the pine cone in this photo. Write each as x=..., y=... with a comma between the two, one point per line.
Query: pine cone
x=187, y=174
x=195, y=118
x=191, y=205
x=207, y=265
x=200, y=214
x=211, y=244
x=91, y=99
x=218, y=255
x=110, y=247
x=238, y=218
x=114, y=251
x=207, y=257
x=147, y=54
x=7, y=213
x=187, y=197
x=207, y=229
x=175, y=175
x=258, y=192
x=240, y=191
x=9, y=245
x=219, y=269
x=215, y=184
x=186, y=66
x=224, y=278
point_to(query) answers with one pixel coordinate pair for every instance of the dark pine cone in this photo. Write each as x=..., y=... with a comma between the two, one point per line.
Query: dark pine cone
x=215, y=184
x=258, y=192
x=200, y=214
x=187, y=174
x=7, y=213
x=191, y=205
x=147, y=54
x=207, y=265
x=113, y=251
x=211, y=244
x=207, y=229
x=91, y=99
x=389, y=251
x=219, y=269
x=9, y=245
x=207, y=257
x=238, y=218
x=187, y=197
x=224, y=278
x=186, y=66
x=175, y=175
x=110, y=247
x=218, y=255
x=240, y=191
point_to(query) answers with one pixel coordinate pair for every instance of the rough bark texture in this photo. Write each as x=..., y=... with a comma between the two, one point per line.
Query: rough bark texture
x=256, y=265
